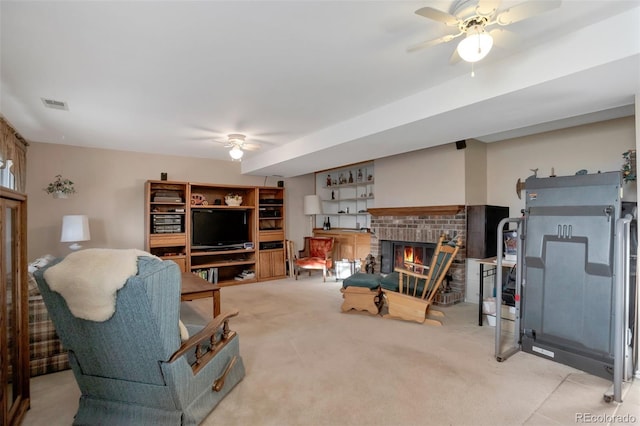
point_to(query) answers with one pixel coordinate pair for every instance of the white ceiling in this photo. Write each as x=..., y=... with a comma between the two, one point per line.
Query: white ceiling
x=317, y=84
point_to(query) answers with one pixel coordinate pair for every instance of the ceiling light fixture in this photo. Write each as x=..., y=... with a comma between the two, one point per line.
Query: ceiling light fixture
x=236, y=153
x=476, y=45
x=235, y=141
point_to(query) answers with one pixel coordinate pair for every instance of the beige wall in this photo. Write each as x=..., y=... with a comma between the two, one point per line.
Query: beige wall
x=110, y=190
x=429, y=177
x=110, y=183
x=594, y=147
x=475, y=178
x=297, y=222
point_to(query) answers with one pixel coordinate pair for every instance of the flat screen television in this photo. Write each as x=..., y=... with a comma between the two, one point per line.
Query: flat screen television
x=219, y=229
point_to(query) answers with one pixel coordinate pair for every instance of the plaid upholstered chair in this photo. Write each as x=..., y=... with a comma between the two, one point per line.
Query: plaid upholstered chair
x=133, y=360
x=316, y=255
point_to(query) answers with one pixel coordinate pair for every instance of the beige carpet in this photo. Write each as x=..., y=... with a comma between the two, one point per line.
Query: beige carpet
x=309, y=364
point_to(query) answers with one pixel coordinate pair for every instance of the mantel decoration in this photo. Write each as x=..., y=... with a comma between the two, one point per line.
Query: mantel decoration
x=629, y=166
x=233, y=199
x=60, y=188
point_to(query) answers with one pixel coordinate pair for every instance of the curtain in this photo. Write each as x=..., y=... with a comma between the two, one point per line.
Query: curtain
x=13, y=158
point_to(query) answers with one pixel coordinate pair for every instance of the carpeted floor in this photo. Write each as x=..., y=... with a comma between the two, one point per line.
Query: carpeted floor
x=309, y=364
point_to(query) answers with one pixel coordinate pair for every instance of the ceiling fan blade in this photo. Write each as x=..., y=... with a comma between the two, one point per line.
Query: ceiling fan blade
x=455, y=57
x=487, y=7
x=250, y=147
x=433, y=42
x=504, y=38
x=525, y=10
x=438, y=15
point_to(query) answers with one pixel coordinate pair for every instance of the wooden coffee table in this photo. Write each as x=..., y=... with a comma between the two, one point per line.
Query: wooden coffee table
x=194, y=287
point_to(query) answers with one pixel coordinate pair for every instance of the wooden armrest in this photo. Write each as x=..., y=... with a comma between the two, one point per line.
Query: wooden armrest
x=208, y=332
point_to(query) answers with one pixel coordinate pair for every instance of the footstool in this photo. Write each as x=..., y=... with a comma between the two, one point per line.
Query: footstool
x=362, y=292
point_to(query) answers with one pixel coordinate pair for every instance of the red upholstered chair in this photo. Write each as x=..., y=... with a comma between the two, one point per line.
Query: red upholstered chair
x=317, y=254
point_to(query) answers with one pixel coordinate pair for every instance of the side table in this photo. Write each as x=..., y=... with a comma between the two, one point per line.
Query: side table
x=194, y=287
x=488, y=268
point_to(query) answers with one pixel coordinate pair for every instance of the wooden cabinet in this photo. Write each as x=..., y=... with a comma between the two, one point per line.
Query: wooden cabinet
x=224, y=240
x=223, y=233
x=346, y=193
x=14, y=332
x=165, y=220
x=482, y=230
x=349, y=244
x=272, y=264
x=271, y=236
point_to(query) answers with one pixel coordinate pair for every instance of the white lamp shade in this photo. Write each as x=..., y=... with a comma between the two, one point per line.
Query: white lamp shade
x=75, y=228
x=312, y=205
x=236, y=153
x=475, y=46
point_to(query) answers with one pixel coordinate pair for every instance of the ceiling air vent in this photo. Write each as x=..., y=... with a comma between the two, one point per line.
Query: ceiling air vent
x=52, y=103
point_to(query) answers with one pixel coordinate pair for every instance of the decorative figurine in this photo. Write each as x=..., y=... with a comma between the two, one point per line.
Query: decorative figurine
x=328, y=180
x=370, y=264
x=350, y=177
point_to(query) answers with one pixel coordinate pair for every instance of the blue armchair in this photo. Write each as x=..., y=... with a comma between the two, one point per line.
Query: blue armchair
x=133, y=368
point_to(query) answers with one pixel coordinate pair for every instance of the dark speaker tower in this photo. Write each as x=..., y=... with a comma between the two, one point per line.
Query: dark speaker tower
x=482, y=230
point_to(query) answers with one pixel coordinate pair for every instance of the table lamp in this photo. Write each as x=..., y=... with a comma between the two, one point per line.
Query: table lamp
x=312, y=207
x=75, y=228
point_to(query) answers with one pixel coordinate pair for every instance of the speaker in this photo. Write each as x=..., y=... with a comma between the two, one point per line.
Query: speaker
x=461, y=144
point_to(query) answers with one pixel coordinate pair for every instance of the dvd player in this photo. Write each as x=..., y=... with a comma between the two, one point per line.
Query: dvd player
x=269, y=245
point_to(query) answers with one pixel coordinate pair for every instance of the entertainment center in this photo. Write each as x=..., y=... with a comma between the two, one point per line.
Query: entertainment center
x=227, y=234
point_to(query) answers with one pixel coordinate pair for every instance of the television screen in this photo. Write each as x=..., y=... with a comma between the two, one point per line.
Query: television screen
x=211, y=228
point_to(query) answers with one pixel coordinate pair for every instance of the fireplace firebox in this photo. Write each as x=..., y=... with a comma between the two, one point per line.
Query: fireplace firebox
x=410, y=255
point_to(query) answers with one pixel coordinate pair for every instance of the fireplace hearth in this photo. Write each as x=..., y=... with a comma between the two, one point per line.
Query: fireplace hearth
x=396, y=232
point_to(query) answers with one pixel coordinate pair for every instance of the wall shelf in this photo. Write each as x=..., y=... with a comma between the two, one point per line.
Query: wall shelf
x=347, y=200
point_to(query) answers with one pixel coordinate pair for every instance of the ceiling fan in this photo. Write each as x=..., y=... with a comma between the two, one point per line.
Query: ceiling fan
x=237, y=143
x=472, y=18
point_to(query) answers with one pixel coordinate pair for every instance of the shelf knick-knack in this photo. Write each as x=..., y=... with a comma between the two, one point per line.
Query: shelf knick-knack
x=350, y=177
x=328, y=180
x=359, y=175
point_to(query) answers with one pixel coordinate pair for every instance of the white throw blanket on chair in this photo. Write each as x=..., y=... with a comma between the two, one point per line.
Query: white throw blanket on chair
x=88, y=280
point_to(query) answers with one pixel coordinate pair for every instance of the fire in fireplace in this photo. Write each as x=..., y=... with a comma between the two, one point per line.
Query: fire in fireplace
x=406, y=255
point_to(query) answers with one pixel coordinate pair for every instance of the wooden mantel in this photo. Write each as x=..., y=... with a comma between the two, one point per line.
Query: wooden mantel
x=416, y=211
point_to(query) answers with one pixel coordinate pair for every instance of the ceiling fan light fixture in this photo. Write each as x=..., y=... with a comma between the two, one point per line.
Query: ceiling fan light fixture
x=236, y=138
x=476, y=45
x=236, y=153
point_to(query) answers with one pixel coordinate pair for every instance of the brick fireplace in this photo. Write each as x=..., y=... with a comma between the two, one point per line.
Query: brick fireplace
x=423, y=225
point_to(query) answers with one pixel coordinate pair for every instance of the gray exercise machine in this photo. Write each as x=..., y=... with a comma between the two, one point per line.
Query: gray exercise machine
x=576, y=292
